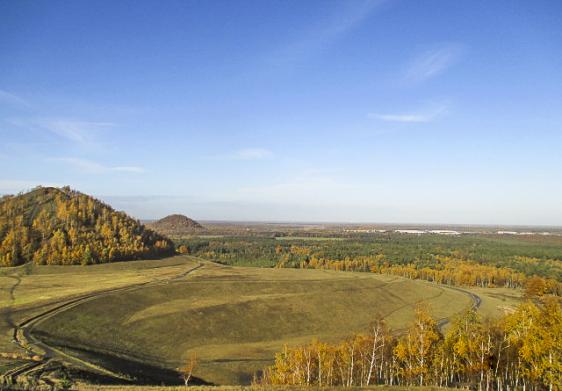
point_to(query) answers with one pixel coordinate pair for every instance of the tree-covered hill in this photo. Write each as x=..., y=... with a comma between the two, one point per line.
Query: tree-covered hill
x=60, y=226
x=175, y=224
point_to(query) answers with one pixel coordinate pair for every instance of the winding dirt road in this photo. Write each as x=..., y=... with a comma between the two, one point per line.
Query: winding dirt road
x=23, y=337
x=476, y=301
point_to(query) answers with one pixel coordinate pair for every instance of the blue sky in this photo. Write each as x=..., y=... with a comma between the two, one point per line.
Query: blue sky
x=352, y=111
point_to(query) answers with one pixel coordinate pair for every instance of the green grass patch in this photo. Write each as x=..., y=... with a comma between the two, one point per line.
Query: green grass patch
x=235, y=319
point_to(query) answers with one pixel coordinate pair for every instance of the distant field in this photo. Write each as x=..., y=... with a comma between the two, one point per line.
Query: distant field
x=311, y=238
x=236, y=318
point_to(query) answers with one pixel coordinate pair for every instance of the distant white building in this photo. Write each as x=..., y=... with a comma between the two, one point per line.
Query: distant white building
x=365, y=230
x=444, y=232
x=410, y=231
x=507, y=233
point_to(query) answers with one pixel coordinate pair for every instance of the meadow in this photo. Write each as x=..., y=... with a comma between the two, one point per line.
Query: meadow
x=30, y=290
x=250, y=388
x=233, y=318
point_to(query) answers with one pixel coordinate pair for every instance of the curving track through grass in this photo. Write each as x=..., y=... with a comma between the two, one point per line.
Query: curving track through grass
x=23, y=331
x=23, y=337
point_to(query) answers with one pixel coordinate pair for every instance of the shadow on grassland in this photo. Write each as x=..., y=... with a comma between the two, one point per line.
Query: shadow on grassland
x=140, y=373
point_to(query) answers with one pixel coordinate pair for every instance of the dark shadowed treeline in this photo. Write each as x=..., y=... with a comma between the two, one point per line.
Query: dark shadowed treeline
x=521, y=351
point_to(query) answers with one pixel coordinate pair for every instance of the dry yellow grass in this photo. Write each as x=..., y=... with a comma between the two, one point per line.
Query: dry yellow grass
x=250, y=388
x=31, y=289
x=236, y=318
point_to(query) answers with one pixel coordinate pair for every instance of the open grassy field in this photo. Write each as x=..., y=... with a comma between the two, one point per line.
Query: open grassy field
x=249, y=388
x=301, y=238
x=144, y=318
x=236, y=318
x=29, y=290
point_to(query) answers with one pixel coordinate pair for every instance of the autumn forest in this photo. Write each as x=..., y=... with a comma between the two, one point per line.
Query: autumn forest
x=64, y=227
x=522, y=350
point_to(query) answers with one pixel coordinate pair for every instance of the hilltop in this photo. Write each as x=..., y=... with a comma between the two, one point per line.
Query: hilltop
x=60, y=226
x=176, y=224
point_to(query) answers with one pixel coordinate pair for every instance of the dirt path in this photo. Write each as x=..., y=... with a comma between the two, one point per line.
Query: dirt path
x=476, y=301
x=11, y=292
x=23, y=337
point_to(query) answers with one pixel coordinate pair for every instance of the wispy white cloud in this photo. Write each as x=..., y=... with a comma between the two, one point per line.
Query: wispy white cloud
x=433, y=62
x=427, y=115
x=311, y=186
x=246, y=154
x=78, y=131
x=253, y=154
x=12, y=99
x=344, y=18
x=93, y=167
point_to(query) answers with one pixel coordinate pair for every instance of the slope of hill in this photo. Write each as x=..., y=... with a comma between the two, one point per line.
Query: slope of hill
x=176, y=224
x=235, y=319
x=60, y=226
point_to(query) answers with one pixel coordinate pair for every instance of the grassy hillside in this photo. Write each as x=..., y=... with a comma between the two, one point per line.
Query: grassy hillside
x=249, y=388
x=235, y=319
x=61, y=226
x=33, y=289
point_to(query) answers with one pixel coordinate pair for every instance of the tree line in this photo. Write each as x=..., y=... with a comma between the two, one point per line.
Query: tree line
x=61, y=226
x=444, y=270
x=532, y=255
x=520, y=351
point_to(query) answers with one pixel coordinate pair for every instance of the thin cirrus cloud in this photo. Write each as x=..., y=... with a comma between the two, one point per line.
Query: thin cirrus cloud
x=433, y=62
x=343, y=19
x=91, y=167
x=253, y=154
x=12, y=99
x=415, y=117
x=246, y=154
x=77, y=131
x=73, y=130
x=308, y=187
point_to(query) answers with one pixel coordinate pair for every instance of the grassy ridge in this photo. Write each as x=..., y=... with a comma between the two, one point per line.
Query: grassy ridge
x=35, y=288
x=236, y=318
